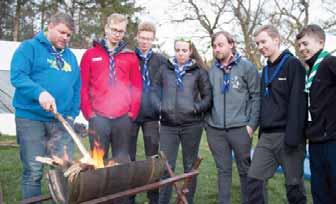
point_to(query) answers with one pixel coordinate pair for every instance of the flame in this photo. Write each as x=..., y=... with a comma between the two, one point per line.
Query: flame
x=97, y=155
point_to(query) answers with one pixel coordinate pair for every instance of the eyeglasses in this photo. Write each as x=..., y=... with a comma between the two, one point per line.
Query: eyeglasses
x=145, y=39
x=115, y=31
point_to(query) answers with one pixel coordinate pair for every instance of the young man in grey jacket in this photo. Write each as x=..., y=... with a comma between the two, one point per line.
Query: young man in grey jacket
x=234, y=115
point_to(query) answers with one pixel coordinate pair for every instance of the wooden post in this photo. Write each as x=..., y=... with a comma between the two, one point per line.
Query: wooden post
x=1, y=197
x=180, y=196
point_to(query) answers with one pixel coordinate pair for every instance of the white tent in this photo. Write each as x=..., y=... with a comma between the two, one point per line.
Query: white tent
x=7, y=123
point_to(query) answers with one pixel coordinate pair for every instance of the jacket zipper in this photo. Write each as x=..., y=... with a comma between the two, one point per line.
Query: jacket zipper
x=224, y=110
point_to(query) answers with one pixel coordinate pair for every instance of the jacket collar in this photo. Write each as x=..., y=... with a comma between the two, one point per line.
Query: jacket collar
x=312, y=60
x=277, y=61
x=191, y=67
x=122, y=47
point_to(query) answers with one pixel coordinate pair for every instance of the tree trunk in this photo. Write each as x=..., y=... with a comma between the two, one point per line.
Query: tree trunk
x=16, y=22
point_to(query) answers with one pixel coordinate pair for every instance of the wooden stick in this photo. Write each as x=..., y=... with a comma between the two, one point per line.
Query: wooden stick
x=180, y=195
x=188, y=180
x=86, y=155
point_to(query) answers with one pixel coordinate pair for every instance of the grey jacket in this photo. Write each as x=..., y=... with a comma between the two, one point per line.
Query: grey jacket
x=240, y=105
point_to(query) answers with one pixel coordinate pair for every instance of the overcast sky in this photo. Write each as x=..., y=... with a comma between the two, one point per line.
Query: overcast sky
x=159, y=12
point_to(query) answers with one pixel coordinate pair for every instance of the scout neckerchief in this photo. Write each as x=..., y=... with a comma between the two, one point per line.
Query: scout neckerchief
x=179, y=73
x=225, y=86
x=267, y=81
x=112, y=53
x=145, y=71
x=310, y=77
x=57, y=53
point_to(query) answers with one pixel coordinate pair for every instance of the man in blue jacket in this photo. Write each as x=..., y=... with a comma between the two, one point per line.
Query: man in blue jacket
x=46, y=77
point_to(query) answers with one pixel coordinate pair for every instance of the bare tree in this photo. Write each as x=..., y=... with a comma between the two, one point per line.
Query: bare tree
x=209, y=17
x=290, y=16
x=249, y=14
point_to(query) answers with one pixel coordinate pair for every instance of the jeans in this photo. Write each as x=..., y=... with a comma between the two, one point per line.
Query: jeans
x=150, y=132
x=39, y=139
x=170, y=138
x=323, y=172
x=222, y=143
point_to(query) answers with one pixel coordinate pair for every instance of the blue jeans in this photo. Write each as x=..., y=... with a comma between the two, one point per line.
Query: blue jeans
x=170, y=138
x=39, y=139
x=323, y=172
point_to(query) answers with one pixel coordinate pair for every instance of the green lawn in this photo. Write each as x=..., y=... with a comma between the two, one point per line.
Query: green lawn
x=10, y=172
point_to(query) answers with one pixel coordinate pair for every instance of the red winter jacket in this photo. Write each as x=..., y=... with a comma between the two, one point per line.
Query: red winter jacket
x=98, y=96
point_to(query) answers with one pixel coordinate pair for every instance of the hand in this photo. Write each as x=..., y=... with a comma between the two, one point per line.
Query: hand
x=249, y=131
x=47, y=101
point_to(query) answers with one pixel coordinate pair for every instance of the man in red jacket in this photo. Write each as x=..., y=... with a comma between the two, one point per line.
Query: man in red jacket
x=111, y=90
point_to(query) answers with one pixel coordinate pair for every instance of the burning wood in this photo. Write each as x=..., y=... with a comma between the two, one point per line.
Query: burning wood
x=98, y=155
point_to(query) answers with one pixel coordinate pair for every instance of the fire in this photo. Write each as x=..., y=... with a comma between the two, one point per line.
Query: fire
x=98, y=155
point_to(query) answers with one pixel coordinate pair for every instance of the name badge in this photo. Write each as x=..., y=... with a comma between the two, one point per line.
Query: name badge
x=282, y=79
x=96, y=59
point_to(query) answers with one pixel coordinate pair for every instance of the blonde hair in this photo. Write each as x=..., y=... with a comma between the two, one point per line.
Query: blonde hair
x=269, y=29
x=116, y=18
x=147, y=26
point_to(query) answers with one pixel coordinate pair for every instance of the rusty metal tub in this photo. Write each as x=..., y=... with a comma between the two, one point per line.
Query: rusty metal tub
x=91, y=184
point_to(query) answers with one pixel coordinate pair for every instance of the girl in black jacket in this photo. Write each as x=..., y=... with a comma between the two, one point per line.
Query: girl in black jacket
x=182, y=96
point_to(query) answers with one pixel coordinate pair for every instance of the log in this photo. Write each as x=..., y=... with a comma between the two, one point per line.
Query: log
x=8, y=144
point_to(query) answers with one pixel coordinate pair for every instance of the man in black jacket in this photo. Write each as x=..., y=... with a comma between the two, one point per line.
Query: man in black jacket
x=282, y=118
x=147, y=119
x=321, y=125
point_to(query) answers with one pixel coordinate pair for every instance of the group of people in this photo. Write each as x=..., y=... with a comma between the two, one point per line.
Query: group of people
x=172, y=100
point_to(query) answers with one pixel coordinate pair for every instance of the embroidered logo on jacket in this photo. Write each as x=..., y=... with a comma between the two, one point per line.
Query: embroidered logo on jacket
x=66, y=67
x=235, y=82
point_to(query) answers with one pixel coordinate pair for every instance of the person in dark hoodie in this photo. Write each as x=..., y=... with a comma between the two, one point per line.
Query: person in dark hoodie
x=111, y=90
x=185, y=97
x=234, y=115
x=148, y=119
x=282, y=120
x=45, y=74
x=321, y=121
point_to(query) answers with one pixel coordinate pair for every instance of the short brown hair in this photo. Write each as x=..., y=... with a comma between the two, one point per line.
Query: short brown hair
x=312, y=29
x=64, y=18
x=147, y=26
x=228, y=36
x=269, y=29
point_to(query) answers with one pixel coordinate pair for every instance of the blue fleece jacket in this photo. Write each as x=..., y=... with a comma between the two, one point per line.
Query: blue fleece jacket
x=33, y=70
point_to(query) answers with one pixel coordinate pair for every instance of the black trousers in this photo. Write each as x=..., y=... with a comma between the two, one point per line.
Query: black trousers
x=150, y=132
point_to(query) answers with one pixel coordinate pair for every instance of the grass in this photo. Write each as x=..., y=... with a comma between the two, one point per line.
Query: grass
x=10, y=173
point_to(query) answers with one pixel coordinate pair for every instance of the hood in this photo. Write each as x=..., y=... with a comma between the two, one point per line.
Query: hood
x=41, y=37
x=285, y=52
